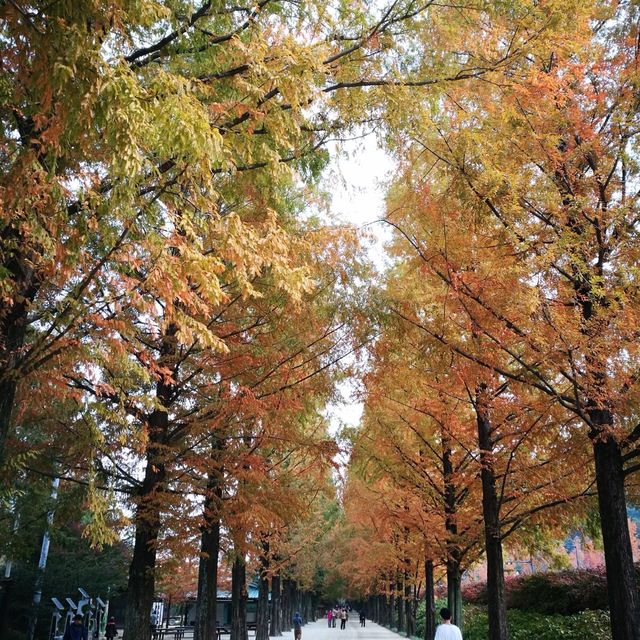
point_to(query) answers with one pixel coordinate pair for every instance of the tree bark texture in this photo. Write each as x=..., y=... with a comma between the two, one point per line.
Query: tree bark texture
x=400, y=604
x=238, y=599
x=392, y=608
x=262, y=616
x=141, y=585
x=13, y=327
x=408, y=608
x=275, y=626
x=497, y=606
x=430, y=602
x=286, y=606
x=206, y=607
x=624, y=600
x=454, y=593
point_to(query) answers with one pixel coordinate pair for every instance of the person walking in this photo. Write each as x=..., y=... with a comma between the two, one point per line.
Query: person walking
x=297, y=626
x=329, y=617
x=110, y=630
x=363, y=620
x=343, y=618
x=446, y=630
x=76, y=630
x=334, y=617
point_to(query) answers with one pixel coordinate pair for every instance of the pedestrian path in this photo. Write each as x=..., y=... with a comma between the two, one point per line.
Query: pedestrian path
x=320, y=631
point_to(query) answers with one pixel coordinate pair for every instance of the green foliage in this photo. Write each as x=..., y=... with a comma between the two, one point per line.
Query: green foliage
x=525, y=625
x=420, y=615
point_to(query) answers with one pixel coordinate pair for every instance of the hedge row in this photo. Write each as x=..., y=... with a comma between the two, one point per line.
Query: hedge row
x=526, y=625
x=563, y=592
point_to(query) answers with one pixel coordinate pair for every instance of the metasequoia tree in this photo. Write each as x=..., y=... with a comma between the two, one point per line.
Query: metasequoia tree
x=546, y=180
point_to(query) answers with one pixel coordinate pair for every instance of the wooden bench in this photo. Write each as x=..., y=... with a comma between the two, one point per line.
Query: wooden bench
x=177, y=633
x=220, y=631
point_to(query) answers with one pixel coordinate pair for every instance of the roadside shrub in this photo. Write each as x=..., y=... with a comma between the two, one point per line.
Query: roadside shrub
x=564, y=592
x=526, y=625
x=440, y=602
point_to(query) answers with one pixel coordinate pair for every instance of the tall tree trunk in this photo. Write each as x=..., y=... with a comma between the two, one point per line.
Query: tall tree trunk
x=497, y=607
x=275, y=627
x=408, y=607
x=454, y=592
x=392, y=606
x=309, y=606
x=239, y=598
x=622, y=587
x=207, y=602
x=262, y=614
x=400, y=603
x=284, y=620
x=429, y=601
x=141, y=585
x=13, y=330
x=286, y=597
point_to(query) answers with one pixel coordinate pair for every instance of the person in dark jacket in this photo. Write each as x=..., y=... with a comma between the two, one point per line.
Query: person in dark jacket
x=297, y=626
x=76, y=630
x=110, y=630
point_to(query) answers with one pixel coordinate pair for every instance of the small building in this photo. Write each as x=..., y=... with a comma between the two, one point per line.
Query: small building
x=223, y=609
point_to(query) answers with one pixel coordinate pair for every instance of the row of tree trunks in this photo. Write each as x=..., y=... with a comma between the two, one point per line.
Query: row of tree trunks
x=400, y=610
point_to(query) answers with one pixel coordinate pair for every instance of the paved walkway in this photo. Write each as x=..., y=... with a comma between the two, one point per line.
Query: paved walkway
x=320, y=631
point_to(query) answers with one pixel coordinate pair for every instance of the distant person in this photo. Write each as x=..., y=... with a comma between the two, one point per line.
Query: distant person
x=363, y=620
x=297, y=626
x=76, y=630
x=329, y=616
x=344, y=616
x=446, y=630
x=110, y=630
x=334, y=617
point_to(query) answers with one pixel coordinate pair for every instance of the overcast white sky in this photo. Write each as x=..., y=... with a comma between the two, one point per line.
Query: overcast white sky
x=356, y=181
